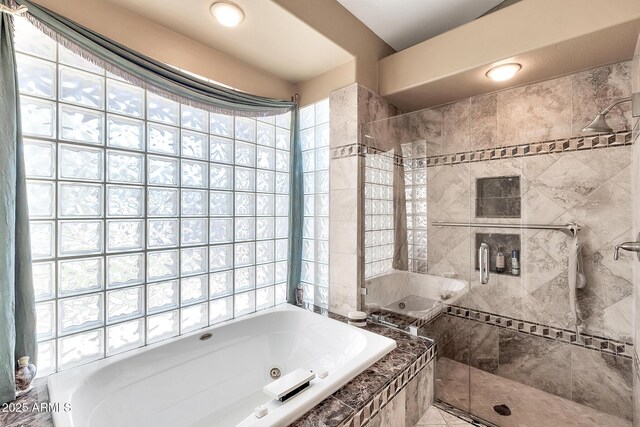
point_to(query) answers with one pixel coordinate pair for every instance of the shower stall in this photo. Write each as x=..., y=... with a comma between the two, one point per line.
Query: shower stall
x=490, y=226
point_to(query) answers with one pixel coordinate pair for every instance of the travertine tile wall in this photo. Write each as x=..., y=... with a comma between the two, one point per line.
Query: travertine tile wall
x=591, y=187
x=350, y=107
x=590, y=377
x=636, y=359
x=585, y=181
x=636, y=228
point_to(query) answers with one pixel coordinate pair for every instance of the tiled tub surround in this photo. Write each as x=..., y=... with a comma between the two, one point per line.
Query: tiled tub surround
x=397, y=387
x=589, y=370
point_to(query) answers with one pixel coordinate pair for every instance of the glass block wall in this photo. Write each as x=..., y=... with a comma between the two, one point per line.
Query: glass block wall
x=314, y=134
x=148, y=218
x=415, y=178
x=378, y=219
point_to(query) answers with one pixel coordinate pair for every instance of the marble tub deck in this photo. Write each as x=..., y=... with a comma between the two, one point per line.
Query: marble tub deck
x=345, y=404
x=337, y=410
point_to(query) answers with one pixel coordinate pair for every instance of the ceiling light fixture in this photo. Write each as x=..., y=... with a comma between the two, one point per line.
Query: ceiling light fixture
x=227, y=13
x=503, y=72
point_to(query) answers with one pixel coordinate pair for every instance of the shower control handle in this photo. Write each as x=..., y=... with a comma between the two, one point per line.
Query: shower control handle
x=483, y=263
x=627, y=246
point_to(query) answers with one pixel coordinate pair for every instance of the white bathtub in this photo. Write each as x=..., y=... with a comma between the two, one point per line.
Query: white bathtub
x=413, y=294
x=217, y=382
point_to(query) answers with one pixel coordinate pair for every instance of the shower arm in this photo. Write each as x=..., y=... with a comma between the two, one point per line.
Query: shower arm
x=614, y=103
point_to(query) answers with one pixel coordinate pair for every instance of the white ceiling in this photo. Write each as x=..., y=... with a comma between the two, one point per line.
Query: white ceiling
x=270, y=38
x=404, y=23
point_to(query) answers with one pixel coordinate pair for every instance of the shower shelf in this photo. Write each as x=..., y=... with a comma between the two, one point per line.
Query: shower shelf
x=571, y=228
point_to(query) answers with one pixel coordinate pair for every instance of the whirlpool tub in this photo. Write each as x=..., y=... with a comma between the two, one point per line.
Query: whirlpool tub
x=219, y=381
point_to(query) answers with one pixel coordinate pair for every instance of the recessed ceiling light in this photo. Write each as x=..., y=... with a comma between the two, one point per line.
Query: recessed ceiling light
x=227, y=13
x=503, y=72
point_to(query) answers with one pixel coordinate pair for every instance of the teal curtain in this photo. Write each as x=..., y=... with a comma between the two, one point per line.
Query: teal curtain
x=296, y=213
x=17, y=309
x=149, y=73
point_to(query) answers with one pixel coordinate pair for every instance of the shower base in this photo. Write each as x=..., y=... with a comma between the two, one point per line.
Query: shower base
x=529, y=406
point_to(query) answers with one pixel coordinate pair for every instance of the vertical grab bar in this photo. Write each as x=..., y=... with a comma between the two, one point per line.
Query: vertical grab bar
x=483, y=262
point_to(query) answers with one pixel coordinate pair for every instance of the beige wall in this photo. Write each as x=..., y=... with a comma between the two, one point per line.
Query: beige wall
x=170, y=47
x=548, y=37
x=445, y=68
x=321, y=86
x=335, y=22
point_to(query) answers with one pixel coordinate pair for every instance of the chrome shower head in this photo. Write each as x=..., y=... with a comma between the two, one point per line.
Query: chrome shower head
x=598, y=125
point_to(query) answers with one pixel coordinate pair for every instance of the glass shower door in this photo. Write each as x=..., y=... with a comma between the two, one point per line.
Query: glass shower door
x=417, y=270
x=450, y=253
x=541, y=338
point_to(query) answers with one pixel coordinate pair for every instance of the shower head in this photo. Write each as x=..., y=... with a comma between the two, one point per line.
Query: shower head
x=599, y=124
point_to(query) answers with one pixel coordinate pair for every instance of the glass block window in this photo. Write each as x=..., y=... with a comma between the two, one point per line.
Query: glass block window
x=314, y=136
x=415, y=179
x=378, y=219
x=149, y=218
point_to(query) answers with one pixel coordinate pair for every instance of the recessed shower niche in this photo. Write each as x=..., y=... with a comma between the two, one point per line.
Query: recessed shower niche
x=497, y=241
x=498, y=197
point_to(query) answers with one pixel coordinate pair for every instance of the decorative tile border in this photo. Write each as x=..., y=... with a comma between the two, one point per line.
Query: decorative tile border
x=579, y=143
x=350, y=150
x=361, y=150
x=589, y=341
x=365, y=414
x=589, y=142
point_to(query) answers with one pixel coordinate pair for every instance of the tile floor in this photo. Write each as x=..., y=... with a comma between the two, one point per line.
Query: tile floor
x=530, y=407
x=437, y=417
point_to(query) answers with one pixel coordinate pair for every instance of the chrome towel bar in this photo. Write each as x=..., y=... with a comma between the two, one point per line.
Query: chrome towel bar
x=571, y=228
